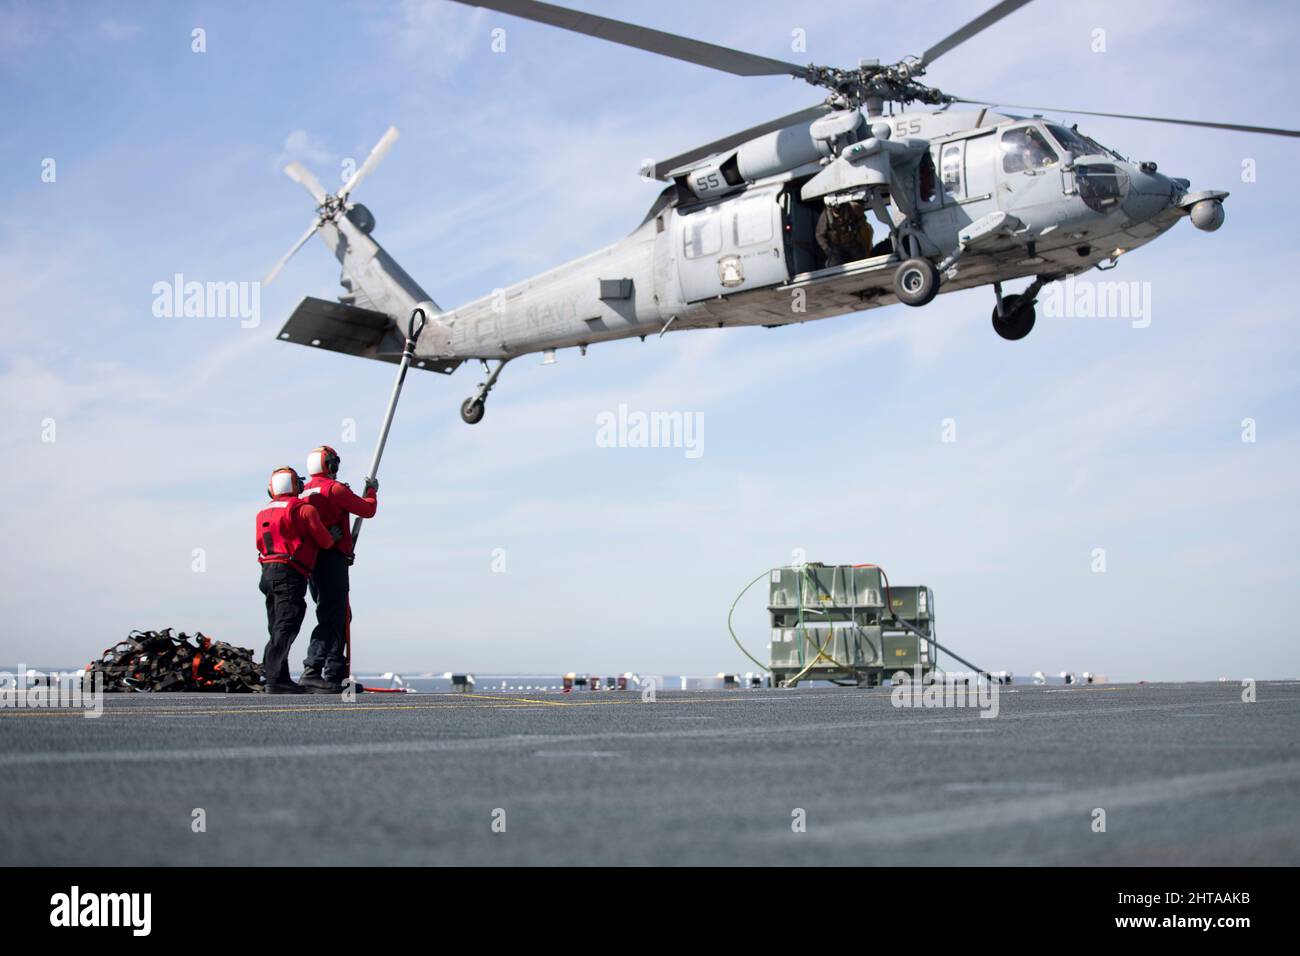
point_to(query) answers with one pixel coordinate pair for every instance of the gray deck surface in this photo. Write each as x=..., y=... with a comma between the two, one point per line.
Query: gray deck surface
x=1187, y=774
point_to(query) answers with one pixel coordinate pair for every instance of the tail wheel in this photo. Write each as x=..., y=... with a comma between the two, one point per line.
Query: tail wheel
x=471, y=411
x=1017, y=318
x=916, y=282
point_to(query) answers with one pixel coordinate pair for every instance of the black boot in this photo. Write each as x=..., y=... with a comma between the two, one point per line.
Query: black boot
x=281, y=687
x=313, y=683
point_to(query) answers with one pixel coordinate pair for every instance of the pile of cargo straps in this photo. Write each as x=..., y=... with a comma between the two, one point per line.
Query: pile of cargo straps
x=161, y=661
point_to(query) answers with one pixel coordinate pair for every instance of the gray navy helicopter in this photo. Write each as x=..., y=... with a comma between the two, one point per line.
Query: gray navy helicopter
x=966, y=197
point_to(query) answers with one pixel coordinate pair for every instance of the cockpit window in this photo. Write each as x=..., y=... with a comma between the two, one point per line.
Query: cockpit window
x=1025, y=148
x=1074, y=142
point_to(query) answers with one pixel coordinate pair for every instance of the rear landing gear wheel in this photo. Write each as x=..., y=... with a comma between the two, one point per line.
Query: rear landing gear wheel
x=916, y=282
x=1017, y=318
x=471, y=411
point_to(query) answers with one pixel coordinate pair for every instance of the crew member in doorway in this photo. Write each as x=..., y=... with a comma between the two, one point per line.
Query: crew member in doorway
x=844, y=233
x=327, y=665
x=290, y=536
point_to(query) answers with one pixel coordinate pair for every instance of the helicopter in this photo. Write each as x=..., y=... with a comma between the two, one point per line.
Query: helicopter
x=966, y=197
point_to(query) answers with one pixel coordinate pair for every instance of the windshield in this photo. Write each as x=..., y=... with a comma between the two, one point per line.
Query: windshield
x=1024, y=148
x=1075, y=142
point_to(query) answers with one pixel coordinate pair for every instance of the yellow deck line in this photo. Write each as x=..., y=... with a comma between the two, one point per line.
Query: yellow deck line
x=491, y=702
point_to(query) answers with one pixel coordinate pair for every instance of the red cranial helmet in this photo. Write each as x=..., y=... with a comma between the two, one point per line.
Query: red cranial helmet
x=284, y=481
x=323, y=461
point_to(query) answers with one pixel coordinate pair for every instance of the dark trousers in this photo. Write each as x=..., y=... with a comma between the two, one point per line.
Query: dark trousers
x=326, y=652
x=286, y=605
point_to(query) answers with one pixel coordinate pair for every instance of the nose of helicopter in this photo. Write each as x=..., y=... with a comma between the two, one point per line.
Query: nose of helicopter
x=1149, y=192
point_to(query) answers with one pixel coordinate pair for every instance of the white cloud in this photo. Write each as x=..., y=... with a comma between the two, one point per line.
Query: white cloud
x=302, y=145
x=429, y=36
x=118, y=29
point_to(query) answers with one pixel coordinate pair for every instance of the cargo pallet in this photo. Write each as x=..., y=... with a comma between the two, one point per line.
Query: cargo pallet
x=830, y=622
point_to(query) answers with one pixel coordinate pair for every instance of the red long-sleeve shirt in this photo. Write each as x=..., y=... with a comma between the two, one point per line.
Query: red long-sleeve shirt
x=303, y=522
x=335, y=501
x=313, y=527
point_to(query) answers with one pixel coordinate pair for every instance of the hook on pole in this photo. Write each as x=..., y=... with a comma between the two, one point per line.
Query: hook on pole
x=416, y=325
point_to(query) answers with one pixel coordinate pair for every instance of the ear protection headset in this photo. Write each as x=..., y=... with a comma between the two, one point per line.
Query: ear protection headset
x=284, y=481
x=323, y=461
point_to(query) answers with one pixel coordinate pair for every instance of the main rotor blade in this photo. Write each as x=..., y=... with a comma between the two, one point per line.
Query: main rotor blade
x=381, y=148
x=266, y=280
x=1236, y=127
x=982, y=22
x=643, y=38
x=661, y=169
x=301, y=174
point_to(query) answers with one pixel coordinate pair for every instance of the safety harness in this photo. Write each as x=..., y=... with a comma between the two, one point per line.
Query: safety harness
x=161, y=661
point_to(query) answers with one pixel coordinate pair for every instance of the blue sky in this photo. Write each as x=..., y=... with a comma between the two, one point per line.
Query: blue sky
x=825, y=437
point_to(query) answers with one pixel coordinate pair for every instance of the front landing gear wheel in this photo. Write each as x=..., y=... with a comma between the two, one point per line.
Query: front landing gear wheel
x=1017, y=318
x=916, y=282
x=471, y=411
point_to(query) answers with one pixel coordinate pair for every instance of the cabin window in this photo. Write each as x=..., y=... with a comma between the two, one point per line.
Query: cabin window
x=1025, y=149
x=925, y=180
x=951, y=167
x=702, y=233
x=754, y=220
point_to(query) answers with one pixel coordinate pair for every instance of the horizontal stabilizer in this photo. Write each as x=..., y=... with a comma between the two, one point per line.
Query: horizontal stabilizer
x=336, y=327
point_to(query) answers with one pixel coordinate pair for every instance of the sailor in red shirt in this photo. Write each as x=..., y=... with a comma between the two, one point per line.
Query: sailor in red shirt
x=290, y=536
x=327, y=666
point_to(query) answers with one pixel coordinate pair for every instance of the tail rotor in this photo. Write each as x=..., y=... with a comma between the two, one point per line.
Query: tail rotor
x=329, y=207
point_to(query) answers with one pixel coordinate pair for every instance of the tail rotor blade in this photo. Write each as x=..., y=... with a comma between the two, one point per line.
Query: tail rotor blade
x=290, y=254
x=305, y=177
x=381, y=148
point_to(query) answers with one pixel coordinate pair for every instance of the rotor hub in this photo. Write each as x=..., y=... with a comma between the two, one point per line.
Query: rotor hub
x=895, y=83
x=331, y=208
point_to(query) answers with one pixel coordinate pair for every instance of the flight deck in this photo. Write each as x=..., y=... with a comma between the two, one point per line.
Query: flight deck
x=1183, y=774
